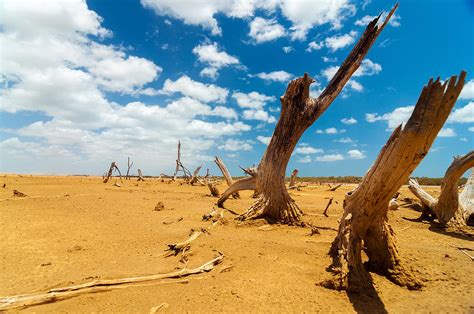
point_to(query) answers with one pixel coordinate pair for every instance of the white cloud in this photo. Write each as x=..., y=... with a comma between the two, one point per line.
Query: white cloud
x=368, y=68
x=194, y=89
x=304, y=160
x=329, y=72
x=471, y=129
x=306, y=150
x=288, y=49
x=355, y=154
x=263, y=30
x=264, y=139
x=395, y=118
x=277, y=76
x=349, y=121
x=447, y=132
x=215, y=58
x=340, y=41
x=329, y=158
x=354, y=85
x=314, y=46
x=258, y=114
x=235, y=145
x=463, y=115
x=345, y=140
x=467, y=91
x=463, y=139
x=252, y=100
x=304, y=15
x=327, y=60
x=330, y=131
x=364, y=21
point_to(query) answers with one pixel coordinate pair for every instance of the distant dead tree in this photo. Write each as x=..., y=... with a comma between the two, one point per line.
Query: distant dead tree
x=140, y=176
x=298, y=112
x=293, y=178
x=129, y=166
x=364, y=223
x=179, y=165
x=226, y=174
x=195, y=177
x=451, y=209
x=113, y=166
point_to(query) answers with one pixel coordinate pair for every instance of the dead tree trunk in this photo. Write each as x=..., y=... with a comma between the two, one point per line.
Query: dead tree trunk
x=180, y=166
x=113, y=166
x=449, y=208
x=129, y=166
x=226, y=174
x=364, y=224
x=194, y=177
x=140, y=176
x=298, y=112
x=294, y=176
x=334, y=188
x=212, y=188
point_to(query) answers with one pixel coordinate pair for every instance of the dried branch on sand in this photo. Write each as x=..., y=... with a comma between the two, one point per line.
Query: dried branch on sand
x=364, y=224
x=334, y=188
x=58, y=294
x=226, y=174
x=113, y=167
x=451, y=209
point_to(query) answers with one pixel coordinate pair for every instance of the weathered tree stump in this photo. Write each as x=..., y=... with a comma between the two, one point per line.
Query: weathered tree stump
x=129, y=166
x=364, y=224
x=113, y=166
x=450, y=209
x=226, y=174
x=140, y=175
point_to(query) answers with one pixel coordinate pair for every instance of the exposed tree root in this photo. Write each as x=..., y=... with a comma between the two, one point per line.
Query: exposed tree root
x=58, y=294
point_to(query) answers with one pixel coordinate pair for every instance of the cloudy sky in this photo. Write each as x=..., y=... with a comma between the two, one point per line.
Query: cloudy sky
x=84, y=83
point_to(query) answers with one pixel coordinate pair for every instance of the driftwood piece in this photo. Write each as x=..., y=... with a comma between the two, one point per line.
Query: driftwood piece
x=334, y=188
x=113, y=167
x=226, y=174
x=176, y=248
x=140, y=175
x=58, y=294
x=325, y=213
x=298, y=112
x=129, y=166
x=364, y=224
x=451, y=209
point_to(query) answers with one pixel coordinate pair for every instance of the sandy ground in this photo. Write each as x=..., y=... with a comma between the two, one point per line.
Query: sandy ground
x=72, y=230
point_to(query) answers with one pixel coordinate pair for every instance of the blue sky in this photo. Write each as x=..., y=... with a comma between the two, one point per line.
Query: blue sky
x=85, y=83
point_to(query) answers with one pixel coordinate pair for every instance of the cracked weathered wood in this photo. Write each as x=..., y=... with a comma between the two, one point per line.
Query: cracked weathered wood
x=451, y=209
x=364, y=224
x=226, y=174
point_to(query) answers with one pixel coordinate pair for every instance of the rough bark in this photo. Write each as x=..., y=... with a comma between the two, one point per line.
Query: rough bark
x=213, y=189
x=450, y=209
x=248, y=183
x=129, y=166
x=113, y=166
x=364, y=223
x=226, y=174
x=298, y=112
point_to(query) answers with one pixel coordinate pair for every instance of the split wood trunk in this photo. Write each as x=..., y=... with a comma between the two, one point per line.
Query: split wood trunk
x=293, y=178
x=450, y=209
x=364, y=224
x=113, y=166
x=226, y=174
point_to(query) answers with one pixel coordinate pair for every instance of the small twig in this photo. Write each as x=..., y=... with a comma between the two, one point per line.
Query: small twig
x=325, y=213
x=467, y=254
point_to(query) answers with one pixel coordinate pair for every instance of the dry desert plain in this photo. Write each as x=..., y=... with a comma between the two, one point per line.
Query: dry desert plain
x=71, y=230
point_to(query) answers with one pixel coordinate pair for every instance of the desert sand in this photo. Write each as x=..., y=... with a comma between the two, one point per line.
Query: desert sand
x=71, y=230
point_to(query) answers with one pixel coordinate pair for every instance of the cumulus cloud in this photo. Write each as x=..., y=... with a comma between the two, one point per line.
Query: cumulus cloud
x=345, y=140
x=366, y=68
x=394, y=119
x=314, y=46
x=235, y=145
x=264, y=139
x=463, y=115
x=330, y=158
x=200, y=91
x=471, y=129
x=349, y=121
x=252, y=100
x=304, y=160
x=337, y=42
x=394, y=20
x=276, y=76
x=288, y=49
x=258, y=114
x=327, y=59
x=305, y=149
x=355, y=154
x=214, y=58
x=467, y=91
x=304, y=15
x=447, y=132
x=263, y=30
x=330, y=131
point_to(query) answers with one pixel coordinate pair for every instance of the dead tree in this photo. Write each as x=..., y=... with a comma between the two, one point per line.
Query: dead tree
x=247, y=183
x=450, y=209
x=195, y=177
x=364, y=224
x=294, y=176
x=179, y=165
x=298, y=112
x=113, y=166
x=140, y=176
x=129, y=166
x=212, y=188
x=226, y=174
x=325, y=213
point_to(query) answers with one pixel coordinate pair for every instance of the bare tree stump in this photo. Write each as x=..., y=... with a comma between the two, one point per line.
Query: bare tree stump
x=129, y=166
x=450, y=209
x=140, y=175
x=293, y=178
x=180, y=166
x=212, y=188
x=113, y=166
x=195, y=178
x=364, y=224
x=298, y=112
x=226, y=174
